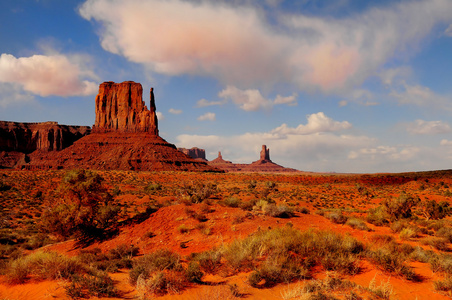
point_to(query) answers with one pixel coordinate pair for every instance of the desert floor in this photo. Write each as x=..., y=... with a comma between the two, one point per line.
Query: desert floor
x=401, y=223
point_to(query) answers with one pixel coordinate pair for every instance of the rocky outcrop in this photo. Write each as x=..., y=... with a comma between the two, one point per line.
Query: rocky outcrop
x=219, y=160
x=17, y=140
x=120, y=108
x=124, y=137
x=265, y=153
x=196, y=153
x=264, y=164
x=47, y=136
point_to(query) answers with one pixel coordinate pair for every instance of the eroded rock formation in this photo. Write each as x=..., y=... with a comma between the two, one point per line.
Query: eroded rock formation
x=120, y=108
x=19, y=139
x=195, y=153
x=265, y=153
x=124, y=137
x=264, y=164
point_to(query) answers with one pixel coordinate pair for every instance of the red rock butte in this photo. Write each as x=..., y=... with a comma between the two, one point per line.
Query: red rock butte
x=124, y=137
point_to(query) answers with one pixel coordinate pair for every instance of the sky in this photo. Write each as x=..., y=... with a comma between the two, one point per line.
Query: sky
x=354, y=86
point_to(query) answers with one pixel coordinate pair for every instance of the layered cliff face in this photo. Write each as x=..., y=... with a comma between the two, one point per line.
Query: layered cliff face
x=120, y=108
x=17, y=140
x=47, y=136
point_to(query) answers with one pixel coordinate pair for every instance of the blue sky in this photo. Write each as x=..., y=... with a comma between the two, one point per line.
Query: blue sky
x=328, y=86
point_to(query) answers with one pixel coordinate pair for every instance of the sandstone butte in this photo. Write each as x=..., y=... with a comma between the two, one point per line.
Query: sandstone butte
x=264, y=164
x=124, y=137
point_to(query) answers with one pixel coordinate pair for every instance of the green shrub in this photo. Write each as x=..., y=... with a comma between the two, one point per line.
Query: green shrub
x=88, y=209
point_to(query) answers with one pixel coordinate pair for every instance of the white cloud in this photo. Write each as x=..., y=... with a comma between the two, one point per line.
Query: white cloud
x=239, y=46
x=307, y=147
x=249, y=100
x=175, y=111
x=419, y=95
x=421, y=127
x=316, y=123
x=205, y=102
x=445, y=142
x=252, y=99
x=209, y=116
x=47, y=75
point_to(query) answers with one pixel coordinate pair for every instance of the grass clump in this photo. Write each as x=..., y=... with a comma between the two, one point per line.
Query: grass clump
x=42, y=266
x=357, y=224
x=159, y=260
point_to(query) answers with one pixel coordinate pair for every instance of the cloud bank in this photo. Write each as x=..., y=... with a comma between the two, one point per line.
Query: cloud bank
x=239, y=46
x=53, y=75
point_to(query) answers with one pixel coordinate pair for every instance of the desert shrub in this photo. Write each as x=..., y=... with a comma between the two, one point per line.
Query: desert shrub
x=357, y=224
x=231, y=202
x=248, y=205
x=383, y=291
x=435, y=242
x=336, y=217
x=321, y=289
x=41, y=266
x=377, y=216
x=159, y=260
x=89, y=285
x=407, y=233
x=401, y=207
x=153, y=187
x=198, y=192
x=88, y=209
x=193, y=272
x=209, y=261
x=278, y=211
x=445, y=232
x=303, y=210
x=381, y=239
x=440, y=263
x=398, y=226
x=433, y=210
x=164, y=282
x=252, y=185
x=392, y=261
x=443, y=285
x=421, y=255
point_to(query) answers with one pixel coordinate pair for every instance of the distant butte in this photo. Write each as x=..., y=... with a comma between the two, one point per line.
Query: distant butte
x=124, y=137
x=264, y=164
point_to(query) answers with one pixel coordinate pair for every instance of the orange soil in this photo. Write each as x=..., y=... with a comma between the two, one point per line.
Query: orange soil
x=313, y=192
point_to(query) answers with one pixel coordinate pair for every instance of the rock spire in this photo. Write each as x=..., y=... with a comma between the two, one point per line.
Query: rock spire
x=120, y=108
